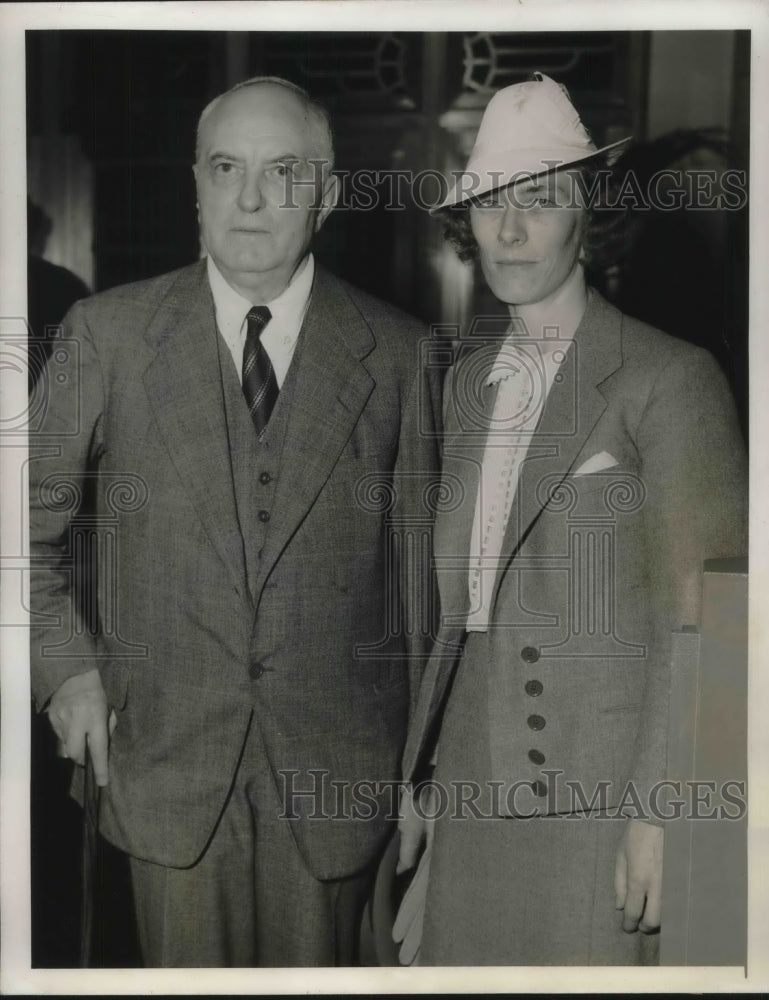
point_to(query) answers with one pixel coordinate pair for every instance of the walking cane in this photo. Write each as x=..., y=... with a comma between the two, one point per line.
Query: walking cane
x=91, y=796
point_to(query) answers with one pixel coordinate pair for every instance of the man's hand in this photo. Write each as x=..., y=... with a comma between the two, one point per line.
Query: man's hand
x=79, y=712
x=638, y=876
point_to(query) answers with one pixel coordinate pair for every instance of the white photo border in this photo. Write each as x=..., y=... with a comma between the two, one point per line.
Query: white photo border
x=16, y=975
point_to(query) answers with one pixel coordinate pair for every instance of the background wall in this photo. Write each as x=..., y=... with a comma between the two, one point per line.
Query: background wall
x=691, y=80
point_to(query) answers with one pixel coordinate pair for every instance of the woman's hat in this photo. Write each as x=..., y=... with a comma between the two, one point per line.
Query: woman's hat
x=527, y=129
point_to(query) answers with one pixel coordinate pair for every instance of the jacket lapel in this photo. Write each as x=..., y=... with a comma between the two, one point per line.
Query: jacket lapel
x=184, y=386
x=330, y=391
x=469, y=408
x=571, y=411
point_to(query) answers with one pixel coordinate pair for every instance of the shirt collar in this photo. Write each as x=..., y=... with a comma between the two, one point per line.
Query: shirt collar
x=287, y=309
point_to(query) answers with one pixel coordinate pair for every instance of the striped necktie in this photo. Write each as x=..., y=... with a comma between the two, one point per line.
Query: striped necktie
x=260, y=386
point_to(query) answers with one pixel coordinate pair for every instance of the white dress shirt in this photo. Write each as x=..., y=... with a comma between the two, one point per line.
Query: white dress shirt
x=280, y=335
x=524, y=373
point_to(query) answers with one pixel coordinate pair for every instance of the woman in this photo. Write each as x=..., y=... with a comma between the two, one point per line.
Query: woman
x=591, y=465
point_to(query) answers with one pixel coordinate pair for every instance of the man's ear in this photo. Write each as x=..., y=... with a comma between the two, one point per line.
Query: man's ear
x=328, y=200
x=195, y=175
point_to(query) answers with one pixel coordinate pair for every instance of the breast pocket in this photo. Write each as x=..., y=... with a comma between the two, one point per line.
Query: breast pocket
x=605, y=494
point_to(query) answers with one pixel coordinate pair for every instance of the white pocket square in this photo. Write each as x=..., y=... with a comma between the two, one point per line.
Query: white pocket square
x=597, y=463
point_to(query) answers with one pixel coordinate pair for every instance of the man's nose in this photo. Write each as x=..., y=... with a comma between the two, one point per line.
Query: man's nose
x=512, y=225
x=250, y=197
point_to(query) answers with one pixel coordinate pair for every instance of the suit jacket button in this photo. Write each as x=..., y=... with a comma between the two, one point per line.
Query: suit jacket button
x=264, y=516
x=539, y=788
x=264, y=478
x=529, y=654
x=534, y=688
x=535, y=722
x=536, y=757
x=255, y=671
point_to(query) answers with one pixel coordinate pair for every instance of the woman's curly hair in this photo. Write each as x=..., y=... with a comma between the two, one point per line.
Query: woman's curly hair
x=608, y=225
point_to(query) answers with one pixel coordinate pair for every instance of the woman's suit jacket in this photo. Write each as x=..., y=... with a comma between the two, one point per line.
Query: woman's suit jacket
x=597, y=569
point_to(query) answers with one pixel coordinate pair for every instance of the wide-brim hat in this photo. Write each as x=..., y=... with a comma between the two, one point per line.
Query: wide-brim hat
x=527, y=129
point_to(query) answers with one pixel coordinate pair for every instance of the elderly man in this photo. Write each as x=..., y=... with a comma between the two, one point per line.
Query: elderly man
x=247, y=406
x=596, y=463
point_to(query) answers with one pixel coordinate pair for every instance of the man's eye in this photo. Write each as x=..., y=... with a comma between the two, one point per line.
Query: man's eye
x=284, y=169
x=224, y=167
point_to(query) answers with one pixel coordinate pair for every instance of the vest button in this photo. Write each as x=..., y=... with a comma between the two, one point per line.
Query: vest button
x=264, y=478
x=536, y=757
x=529, y=654
x=533, y=688
x=255, y=671
x=539, y=788
x=264, y=516
x=535, y=722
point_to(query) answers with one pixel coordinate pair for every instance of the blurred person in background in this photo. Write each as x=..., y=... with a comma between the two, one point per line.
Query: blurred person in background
x=686, y=251
x=51, y=290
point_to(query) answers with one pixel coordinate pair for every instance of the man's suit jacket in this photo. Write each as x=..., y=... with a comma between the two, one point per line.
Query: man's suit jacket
x=597, y=569
x=189, y=650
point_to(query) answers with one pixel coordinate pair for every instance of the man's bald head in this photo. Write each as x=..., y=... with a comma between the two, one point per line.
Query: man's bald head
x=317, y=117
x=264, y=183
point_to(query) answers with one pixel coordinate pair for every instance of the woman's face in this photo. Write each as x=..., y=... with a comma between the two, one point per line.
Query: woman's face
x=529, y=237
